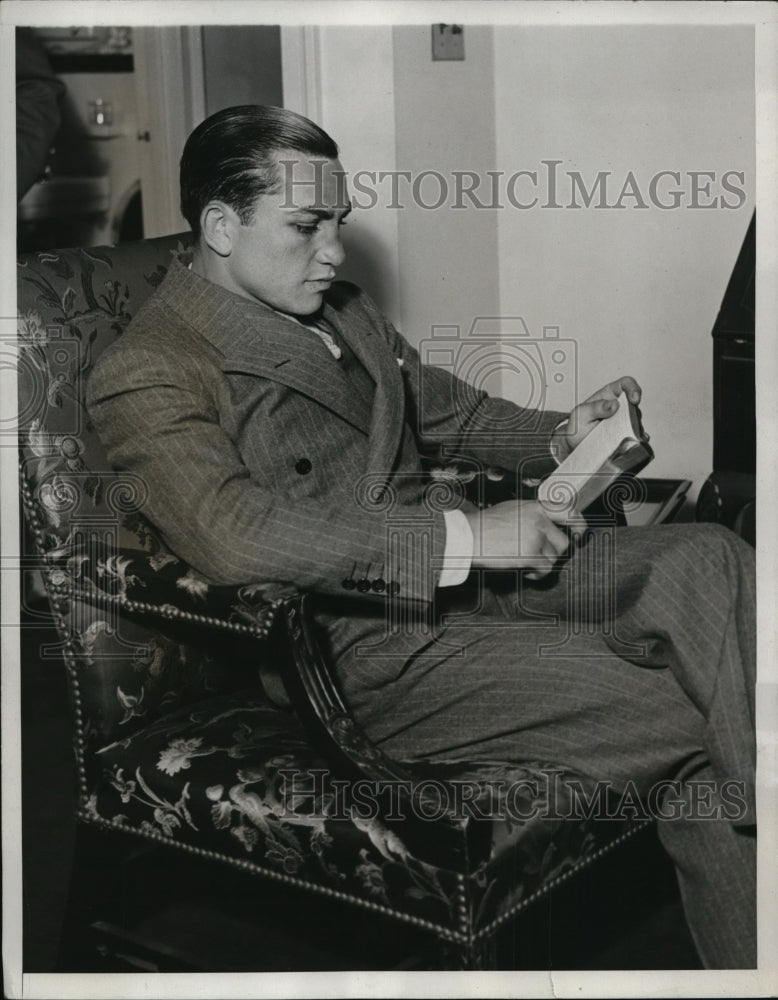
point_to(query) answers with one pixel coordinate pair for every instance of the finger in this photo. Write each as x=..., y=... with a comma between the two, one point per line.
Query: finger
x=546, y=560
x=551, y=557
x=557, y=540
x=594, y=410
x=540, y=568
x=605, y=408
x=628, y=385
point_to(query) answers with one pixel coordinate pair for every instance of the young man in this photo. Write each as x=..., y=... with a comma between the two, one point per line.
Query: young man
x=279, y=422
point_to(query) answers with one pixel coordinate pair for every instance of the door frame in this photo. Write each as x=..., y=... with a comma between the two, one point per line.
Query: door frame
x=301, y=70
x=170, y=87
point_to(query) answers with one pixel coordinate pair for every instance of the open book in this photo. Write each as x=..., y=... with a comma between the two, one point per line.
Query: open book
x=615, y=445
x=660, y=500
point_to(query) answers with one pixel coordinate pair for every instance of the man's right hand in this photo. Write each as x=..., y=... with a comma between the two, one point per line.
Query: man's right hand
x=516, y=534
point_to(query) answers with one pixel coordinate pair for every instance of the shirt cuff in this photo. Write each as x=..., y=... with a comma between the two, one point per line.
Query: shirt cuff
x=458, y=553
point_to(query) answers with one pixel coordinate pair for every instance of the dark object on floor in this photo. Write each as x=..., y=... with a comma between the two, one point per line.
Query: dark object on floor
x=729, y=498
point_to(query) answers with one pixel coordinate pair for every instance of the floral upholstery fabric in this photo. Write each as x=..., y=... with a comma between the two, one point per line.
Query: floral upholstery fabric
x=238, y=778
x=132, y=668
x=175, y=738
x=71, y=305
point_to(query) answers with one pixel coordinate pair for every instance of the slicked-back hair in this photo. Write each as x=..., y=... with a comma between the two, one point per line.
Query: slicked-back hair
x=230, y=157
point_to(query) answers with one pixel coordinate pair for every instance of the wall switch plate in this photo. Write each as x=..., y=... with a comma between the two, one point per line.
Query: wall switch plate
x=448, y=41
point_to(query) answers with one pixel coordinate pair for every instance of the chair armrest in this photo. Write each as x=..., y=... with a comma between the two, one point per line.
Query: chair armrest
x=159, y=585
x=479, y=486
x=486, y=487
x=313, y=690
x=314, y=693
x=295, y=675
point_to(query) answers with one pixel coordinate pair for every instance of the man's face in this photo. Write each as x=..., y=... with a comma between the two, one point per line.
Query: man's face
x=287, y=255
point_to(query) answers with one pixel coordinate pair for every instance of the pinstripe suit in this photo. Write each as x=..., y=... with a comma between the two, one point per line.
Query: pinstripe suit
x=266, y=464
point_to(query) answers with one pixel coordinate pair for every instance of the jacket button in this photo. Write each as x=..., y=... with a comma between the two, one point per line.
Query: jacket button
x=303, y=466
x=349, y=584
x=393, y=589
x=363, y=586
x=379, y=585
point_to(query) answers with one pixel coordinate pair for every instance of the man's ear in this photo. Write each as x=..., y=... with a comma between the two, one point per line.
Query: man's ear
x=217, y=225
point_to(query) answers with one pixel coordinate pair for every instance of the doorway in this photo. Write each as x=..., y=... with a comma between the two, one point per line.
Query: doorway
x=132, y=96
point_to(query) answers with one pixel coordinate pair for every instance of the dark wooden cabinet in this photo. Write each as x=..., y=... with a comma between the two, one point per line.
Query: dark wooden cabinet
x=734, y=397
x=728, y=494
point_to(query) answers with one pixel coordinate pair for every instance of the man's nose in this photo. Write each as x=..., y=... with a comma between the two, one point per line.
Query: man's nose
x=331, y=251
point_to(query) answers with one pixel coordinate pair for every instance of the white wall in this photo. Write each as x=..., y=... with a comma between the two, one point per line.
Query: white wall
x=357, y=109
x=638, y=290
x=444, y=121
x=390, y=107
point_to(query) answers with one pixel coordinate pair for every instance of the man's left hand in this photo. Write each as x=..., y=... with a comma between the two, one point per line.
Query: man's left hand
x=599, y=406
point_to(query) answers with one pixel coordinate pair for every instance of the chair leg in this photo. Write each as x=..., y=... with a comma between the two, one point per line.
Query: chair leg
x=479, y=956
x=94, y=875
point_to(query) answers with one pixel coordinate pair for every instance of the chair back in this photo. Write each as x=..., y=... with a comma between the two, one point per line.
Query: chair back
x=82, y=515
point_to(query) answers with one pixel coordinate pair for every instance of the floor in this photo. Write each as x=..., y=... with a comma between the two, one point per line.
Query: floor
x=623, y=914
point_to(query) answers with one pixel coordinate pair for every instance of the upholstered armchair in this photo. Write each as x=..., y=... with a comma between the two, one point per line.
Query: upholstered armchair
x=206, y=720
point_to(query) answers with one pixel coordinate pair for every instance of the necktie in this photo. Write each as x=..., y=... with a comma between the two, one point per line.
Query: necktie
x=320, y=328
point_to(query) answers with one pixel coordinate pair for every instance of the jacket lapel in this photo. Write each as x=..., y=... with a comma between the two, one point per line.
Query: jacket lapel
x=388, y=417
x=283, y=352
x=256, y=340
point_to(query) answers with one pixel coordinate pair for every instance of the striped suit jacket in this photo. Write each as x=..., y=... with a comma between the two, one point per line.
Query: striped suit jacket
x=264, y=466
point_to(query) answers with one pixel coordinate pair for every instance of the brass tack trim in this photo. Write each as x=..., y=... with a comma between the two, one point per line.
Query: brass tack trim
x=548, y=886
x=444, y=933
x=171, y=613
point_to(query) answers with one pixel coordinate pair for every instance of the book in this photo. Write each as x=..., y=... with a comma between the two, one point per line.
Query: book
x=657, y=500
x=615, y=445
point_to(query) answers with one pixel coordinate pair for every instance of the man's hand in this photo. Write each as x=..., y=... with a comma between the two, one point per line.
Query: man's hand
x=516, y=534
x=599, y=406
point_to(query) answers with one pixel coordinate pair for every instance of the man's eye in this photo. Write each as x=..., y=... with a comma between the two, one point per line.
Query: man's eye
x=306, y=230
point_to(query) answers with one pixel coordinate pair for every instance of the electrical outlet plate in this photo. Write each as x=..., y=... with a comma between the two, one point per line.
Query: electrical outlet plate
x=448, y=41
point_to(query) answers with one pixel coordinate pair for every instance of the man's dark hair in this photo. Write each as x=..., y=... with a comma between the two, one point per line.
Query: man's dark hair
x=230, y=157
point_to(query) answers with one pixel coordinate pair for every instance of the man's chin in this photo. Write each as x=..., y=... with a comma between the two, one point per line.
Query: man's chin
x=305, y=303
x=309, y=304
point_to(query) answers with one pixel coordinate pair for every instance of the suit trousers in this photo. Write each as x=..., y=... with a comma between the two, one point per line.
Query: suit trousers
x=633, y=664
